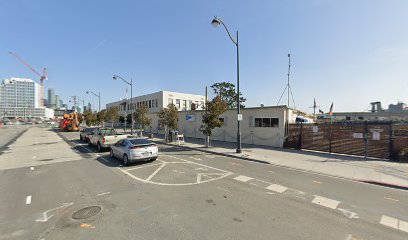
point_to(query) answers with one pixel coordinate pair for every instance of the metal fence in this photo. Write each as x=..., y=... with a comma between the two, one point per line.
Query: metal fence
x=369, y=139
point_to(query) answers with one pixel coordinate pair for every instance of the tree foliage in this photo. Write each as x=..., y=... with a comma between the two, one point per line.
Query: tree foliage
x=228, y=94
x=112, y=114
x=101, y=117
x=168, y=116
x=140, y=116
x=89, y=117
x=211, y=120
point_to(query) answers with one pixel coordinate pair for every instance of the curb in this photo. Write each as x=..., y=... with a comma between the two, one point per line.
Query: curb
x=383, y=184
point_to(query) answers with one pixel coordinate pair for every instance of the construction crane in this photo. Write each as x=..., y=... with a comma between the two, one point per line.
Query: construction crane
x=42, y=76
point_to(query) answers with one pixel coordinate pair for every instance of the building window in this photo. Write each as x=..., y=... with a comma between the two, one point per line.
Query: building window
x=266, y=122
x=189, y=105
x=184, y=105
x=360, y=118
x=157, y=105
x=348, y=118
x=178, y=103
x=150, y=103
x=171, y=101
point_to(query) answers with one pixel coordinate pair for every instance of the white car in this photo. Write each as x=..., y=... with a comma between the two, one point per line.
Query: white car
x=134, y=149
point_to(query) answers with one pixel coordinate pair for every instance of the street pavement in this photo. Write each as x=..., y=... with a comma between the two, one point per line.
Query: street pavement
x=185, y=194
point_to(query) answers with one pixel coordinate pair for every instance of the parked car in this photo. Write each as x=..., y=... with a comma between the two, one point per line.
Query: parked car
x=103, y=138
x=134, y=149
x=84, y=134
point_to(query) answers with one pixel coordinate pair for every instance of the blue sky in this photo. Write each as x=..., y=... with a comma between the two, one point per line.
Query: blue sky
x=350, y=52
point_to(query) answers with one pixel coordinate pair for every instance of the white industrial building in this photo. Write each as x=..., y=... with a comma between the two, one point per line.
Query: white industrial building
x=20, y=98
x=260, y=125
x=159, y=100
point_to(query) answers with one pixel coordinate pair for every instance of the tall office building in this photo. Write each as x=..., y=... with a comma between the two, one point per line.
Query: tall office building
x=20, y=98
x=57, y=102
x=51, y=98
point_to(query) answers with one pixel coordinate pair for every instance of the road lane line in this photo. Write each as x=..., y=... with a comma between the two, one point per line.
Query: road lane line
x=223, y=189
x=243, y=178
x=300, y=197
x=203, y=165
x=394, y=223
x=317, y=182
x=270, y=193
x=101, y=194
x=198, y=177
x=348, y=213
x=277, y=188
x=325, y=202
x=198, y=159
x=155, y=172
x=232, y=163
x=253, y=184
x=391, y=199
x=28, y=200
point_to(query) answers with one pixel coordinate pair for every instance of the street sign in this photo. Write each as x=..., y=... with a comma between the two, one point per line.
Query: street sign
x=239, y=117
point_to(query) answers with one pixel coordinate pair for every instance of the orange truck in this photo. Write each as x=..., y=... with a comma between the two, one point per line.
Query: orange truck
x=70, y=122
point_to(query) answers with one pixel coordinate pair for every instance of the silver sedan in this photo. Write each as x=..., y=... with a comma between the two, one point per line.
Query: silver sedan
x=134, y=149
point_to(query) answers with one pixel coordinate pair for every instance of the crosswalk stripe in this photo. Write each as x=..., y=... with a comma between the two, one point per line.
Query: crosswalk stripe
x=277, y=188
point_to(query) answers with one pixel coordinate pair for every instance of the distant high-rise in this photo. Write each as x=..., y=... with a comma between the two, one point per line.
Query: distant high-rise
x=51, y=98
x=57, y=102
x=61, y=103
x=89, y=106
x=20, y=98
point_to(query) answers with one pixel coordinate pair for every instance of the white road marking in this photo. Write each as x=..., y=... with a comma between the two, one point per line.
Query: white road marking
x=155, y=172
x=271, y=172
x=198, y=159
x=28, y=200
x=300, y=197
x=232, y=163
x=317, y=182
x=270, y=193
x=277, y=188
x=223, y=189
x=34, y=157
x=45, y=217
x=32, y=168
x=394, y=223
x=103, y=159
x=198, y=177
x=101, y=194
x=391, y=199
x=209, y=156
x=243, y=178
x=177, y=171
x=325, y=202
x=253, y=184
x=348, y=213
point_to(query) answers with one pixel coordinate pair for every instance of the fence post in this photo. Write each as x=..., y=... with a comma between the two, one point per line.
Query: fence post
x=299, y=145
x=330, y=137
x=365, y=139
x=391, y=142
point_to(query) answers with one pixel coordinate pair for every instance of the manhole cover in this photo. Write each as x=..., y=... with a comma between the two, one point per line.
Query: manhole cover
x=86, y=212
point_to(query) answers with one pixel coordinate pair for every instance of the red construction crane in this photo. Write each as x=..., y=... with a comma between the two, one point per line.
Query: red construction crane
x=42, y=76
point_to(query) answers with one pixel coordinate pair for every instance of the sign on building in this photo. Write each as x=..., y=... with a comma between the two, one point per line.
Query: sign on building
x=190, y=118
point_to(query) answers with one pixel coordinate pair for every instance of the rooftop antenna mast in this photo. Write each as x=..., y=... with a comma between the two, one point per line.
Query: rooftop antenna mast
x=288, y=87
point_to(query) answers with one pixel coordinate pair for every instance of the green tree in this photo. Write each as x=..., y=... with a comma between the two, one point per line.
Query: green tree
x=112, y=114
x=211, y=120
x=140, y=116
x=129, y=119
x=168, y=118
x=121, y=119
x=228, y=94
x=100, y=117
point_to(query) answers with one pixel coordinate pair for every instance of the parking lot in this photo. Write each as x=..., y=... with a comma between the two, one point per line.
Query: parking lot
x=71, y=191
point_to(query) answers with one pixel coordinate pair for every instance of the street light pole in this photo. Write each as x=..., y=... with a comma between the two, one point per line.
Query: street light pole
x=216, y=22
x=115, y=77
x=96, y=95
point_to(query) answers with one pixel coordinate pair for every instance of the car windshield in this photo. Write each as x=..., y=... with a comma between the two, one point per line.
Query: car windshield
x=108, y=132
x=140, y=141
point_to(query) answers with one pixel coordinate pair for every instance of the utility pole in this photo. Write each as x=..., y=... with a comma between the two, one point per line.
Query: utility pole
x=207, y=138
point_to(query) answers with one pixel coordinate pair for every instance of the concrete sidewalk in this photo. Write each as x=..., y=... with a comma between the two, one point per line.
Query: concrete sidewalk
x=380, y=172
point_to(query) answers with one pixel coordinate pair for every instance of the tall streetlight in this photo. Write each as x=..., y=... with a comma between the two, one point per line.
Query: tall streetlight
x=216, y=22
x=115, y=77
x=96, y=95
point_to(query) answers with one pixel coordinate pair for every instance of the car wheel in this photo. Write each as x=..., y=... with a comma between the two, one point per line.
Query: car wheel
x=125, y=160
x=99, y=147
x=111, y=154
x=154, y=159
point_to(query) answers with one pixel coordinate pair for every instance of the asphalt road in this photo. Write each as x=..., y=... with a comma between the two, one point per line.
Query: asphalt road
x=9, y=133
x=183, y=195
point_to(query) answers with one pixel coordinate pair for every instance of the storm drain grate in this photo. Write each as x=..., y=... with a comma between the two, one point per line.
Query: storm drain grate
x=86, y=212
